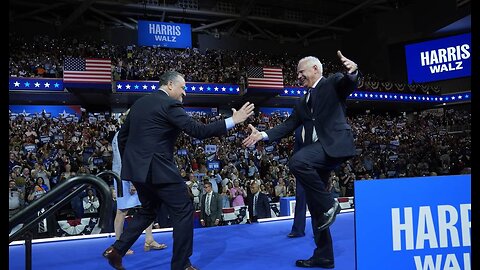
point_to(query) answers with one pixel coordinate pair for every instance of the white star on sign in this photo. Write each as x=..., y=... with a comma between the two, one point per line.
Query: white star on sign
x=216, y=89
x=16, y=83
x=223, y=89
x=119, y=86
x=37, y=84
x=145, y=87
x=127, y=86
x=47, y=85
x=153, y=87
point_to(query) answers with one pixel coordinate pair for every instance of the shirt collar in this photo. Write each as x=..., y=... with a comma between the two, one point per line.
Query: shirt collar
x=315, y=84
x=164, y=91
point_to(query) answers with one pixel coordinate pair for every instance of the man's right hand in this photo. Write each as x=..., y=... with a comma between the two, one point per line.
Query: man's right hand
x=254, y=137
x=241, y=115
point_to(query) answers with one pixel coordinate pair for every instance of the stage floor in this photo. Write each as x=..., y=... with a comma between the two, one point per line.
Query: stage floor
x=248, y=246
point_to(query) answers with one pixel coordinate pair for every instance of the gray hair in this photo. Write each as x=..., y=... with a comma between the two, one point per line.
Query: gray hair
x=312, y=60
x=169, y=76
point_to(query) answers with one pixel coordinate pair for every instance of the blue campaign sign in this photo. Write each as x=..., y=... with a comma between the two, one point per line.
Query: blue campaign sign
x=278, y=111
x=169, y=35
x=213, y=165
x=413, y=223
x=440, y=59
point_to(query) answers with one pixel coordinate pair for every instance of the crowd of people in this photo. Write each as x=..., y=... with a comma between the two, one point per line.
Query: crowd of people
x=43, y=57
x=46, y=151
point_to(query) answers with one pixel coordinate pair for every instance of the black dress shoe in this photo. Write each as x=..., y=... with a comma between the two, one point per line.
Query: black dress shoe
x=310, y=263
x=329, y=216
x=114, y=258
x=293, y=235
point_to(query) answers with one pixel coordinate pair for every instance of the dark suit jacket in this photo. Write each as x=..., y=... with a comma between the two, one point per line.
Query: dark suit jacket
x=215, y=207
x=329, y=116
x=262, y=207
x=152, y=128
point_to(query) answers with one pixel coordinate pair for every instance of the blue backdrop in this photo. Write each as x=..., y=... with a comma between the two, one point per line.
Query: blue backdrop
x=413, y=223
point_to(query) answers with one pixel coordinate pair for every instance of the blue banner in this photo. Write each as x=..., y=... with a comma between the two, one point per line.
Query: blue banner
x=63, y=111
x=413, y=223
x=35, y=84
x=190, y=87
x=439, y=59
x=384, y=96
x=161, y=34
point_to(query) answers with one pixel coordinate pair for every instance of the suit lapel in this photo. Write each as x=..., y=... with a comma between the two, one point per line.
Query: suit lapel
x=316, y=92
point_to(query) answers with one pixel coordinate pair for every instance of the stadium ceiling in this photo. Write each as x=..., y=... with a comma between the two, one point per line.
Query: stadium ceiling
x=286, y=21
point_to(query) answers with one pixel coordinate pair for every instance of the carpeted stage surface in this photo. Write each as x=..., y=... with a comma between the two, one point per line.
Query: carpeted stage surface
x=248, y=246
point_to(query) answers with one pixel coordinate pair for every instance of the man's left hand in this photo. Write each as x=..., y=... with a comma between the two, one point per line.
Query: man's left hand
x=349, y=64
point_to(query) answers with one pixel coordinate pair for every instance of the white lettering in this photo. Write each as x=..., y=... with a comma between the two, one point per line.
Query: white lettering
x=459, y=65
x=397, y=227
x=466, y=223
x=428, y=262
x=425, y=221
x=165, y=38
x=451, y=263
x=151, y=28
x=465, y=52
x=445, y=226
x=445, y=55
x=466, y=261
x=451, y=54
x=434, y=69
x=433, y=57
x=445, y=67
x=424, y=58
x=442, y=55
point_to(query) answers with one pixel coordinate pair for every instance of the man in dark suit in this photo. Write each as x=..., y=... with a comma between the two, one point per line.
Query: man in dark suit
x=211, y=206
x=328, y=141
x=146, y=143
x=258, y=205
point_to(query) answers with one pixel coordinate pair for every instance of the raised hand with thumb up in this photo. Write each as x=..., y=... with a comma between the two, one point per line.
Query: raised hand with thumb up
x=349, y=64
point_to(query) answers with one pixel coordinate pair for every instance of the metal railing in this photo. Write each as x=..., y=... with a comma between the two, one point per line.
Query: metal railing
x=29, y=216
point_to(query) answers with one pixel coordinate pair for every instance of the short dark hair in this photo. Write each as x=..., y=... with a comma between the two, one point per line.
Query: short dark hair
x=169, y=76
x=207, y=183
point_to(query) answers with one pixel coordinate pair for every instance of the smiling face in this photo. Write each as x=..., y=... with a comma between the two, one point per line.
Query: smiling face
x=309, y=70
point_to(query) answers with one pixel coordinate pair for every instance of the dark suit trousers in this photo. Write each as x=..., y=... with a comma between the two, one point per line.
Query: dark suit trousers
x=176, y=197
x=209, y=222
x=311, y=167
x=300, y=215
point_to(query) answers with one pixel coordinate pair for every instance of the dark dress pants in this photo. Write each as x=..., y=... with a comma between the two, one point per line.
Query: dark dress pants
x=311, y=166
x=179, y=203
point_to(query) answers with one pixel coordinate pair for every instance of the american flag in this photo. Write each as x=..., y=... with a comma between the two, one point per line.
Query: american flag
x=265, y=77
x=89, y=70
